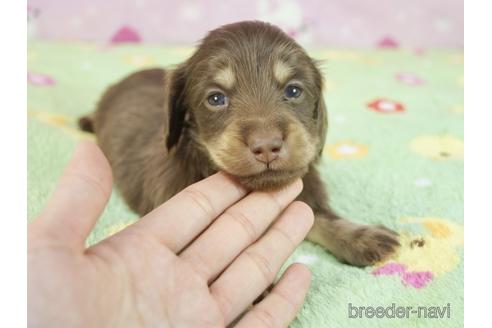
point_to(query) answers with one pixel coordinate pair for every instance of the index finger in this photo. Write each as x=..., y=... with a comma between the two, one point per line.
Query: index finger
x=182, y=218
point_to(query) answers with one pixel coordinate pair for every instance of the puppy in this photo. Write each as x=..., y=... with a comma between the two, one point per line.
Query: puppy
x=248, y=102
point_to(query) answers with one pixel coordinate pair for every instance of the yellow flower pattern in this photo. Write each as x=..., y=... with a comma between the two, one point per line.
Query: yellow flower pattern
x=346, y=150
x=438, y=147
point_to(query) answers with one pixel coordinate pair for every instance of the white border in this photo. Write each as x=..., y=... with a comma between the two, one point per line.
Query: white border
x=478, y=162
x=13, y=172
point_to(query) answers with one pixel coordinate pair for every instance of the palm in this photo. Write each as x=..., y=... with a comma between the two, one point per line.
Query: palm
x=149, y=283
x=165, y=288
x=157, y=272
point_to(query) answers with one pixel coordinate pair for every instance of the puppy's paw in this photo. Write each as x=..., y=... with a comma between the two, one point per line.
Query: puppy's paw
x=369, y=244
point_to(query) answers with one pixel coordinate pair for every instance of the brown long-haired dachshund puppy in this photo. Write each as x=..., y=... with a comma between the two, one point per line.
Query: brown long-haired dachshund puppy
x=247, y=102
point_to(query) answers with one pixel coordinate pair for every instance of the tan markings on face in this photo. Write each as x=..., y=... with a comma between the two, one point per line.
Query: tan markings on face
x=225, y=77
x=228, y=152
x=303, y=145
x=281, y=71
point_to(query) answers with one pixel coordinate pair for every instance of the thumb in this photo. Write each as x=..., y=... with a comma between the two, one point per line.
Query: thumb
x=79, y=198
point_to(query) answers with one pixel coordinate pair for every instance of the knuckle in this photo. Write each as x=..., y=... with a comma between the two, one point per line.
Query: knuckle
x=245, y=223
x=290, y=243
x=201, y=200
x=263, y=265
x=224, y=301
x=90, y=182
x=265, y=317
x=288, y=302
x=279, y=207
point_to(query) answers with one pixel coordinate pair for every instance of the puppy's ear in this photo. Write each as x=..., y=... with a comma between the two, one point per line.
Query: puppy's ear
x=321, y=122
x=320, y=114
x=176, y=107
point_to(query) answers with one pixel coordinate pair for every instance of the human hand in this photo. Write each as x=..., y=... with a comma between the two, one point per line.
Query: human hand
x=198, y=260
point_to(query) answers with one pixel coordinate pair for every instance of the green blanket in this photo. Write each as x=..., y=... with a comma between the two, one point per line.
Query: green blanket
x=394, y=156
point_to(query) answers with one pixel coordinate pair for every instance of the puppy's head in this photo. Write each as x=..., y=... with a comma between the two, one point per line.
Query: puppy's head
x=251, y=98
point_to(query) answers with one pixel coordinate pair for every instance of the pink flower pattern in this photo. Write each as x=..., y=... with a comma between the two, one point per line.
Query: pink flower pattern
x=415, y=279
x=387, y=42
x=409, y=78
x=126, y=34
x=386, y=106
x=40, y=79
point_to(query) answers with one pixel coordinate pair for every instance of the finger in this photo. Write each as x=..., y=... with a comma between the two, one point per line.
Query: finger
x=186, y=215
x=79, y=197
x=239, y=226
x=280, y=306
x=255, y=269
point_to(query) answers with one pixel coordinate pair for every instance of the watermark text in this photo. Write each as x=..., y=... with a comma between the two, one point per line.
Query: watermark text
x=399, y=312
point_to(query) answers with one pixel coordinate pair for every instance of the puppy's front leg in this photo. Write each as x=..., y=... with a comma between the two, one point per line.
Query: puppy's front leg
x=353, y=243
x=350, y=242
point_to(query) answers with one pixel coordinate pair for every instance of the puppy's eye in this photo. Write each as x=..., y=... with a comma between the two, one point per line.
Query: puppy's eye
x=292, y=91
x=218, y=99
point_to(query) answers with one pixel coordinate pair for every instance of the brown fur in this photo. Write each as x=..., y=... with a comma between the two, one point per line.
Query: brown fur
x=160, y=134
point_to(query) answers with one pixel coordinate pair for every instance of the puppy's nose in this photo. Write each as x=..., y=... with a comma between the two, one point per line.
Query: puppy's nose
x=266, y=148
